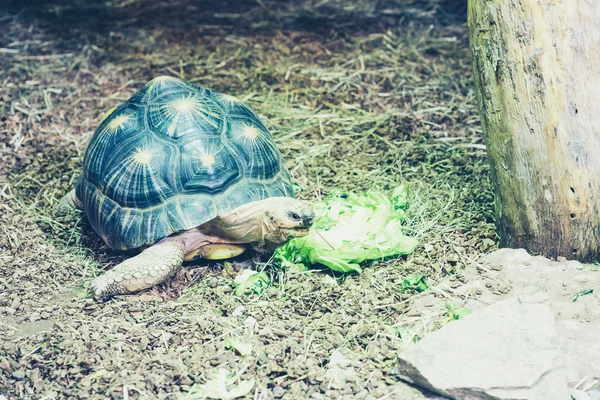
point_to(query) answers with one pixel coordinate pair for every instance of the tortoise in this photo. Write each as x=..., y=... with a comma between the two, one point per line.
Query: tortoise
x=183, y=173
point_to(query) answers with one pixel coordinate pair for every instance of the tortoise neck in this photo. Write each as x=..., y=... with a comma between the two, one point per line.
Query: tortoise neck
x=249, y=223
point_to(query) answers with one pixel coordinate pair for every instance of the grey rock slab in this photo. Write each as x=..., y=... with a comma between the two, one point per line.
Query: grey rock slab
x=577, y=322
x=506, y=351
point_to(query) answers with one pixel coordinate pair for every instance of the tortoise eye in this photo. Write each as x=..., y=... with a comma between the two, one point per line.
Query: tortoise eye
x=295, y=217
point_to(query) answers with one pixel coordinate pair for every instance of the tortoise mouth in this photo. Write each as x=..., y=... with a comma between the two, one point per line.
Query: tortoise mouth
x=296, y=232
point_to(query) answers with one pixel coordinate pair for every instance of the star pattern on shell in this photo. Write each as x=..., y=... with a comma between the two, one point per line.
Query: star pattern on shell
x=117, y=123
x=188, y=106
x=250, y=132
x=230, y=100
x=160, y=82
x=209, y=159
x=142, y=156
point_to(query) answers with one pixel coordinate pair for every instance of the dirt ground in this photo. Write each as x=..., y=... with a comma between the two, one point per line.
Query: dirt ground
x=358, y=94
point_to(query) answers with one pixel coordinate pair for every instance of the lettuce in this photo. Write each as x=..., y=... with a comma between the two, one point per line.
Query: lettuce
x=352, y=228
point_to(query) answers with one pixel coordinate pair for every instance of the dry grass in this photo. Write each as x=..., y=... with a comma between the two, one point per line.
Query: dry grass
x=359, y=95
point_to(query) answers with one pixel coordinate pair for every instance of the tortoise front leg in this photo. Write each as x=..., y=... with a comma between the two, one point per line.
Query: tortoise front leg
x=147, y=269
x=69, y=202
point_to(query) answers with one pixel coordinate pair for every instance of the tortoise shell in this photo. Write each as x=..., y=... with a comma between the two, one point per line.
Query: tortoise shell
x=173, y=157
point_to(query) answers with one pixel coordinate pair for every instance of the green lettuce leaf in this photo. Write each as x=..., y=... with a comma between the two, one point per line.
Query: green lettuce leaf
x=414, y=283
x=249, y=281
x=350, y=229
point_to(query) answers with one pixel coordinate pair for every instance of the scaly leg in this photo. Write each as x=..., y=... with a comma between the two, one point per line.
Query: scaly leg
x=69, y=202
x=147, y=269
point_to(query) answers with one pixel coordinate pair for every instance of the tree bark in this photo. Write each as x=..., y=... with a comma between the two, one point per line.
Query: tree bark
x=537, y=72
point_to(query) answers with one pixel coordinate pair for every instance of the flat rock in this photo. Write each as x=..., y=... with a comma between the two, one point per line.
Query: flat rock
x=503, y=351
x=577, y=320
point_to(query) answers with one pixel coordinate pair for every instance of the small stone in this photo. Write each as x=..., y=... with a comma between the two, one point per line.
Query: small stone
x=4, y=364
x=278, y=392
x=15, y=303
x=455, y=284
x=250, y=322
x=39, y=384
x=18, y=374
x=239, y=311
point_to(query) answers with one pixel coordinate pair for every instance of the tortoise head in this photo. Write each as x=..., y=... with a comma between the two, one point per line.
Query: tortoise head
x=287, y=218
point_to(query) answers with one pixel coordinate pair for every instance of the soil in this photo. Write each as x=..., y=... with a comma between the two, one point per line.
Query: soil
x=359, y=95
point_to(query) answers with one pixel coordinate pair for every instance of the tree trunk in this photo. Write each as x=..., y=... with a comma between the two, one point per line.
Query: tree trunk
x=537, y=72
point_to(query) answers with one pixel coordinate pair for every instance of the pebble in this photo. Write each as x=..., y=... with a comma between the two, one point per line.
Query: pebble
x=278, y=392
x=239, y=311
x=227, y=289
x=250, y=322
x=430, y=301
x=5, y=365
x=18, y=374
